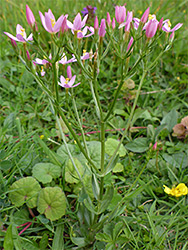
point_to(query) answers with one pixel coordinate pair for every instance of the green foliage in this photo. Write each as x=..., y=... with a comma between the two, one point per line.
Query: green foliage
x=52, y=203
x=45, y=172
x=25, y=190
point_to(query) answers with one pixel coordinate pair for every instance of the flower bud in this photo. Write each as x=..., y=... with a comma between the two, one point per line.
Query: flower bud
x=69, y=73
x=113, y=23
x=64, y=26
x=130, y=44
x=102, y=28
x=28, y=55
x=160, y=24
x=108, y=19
x=120, y=14
x=144, y=17
x=151, y=28
x=30, y=18
x=96, y=23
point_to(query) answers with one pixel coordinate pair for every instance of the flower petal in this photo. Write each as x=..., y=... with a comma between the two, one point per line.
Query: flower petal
x=83, y=22
x=11, y=36
x=48, y=23
x=43, y=20
x=72, y=80
x=62, y=79
x=57, y=25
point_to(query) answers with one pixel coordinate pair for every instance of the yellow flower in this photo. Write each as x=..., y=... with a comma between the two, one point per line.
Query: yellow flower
x=178, y=191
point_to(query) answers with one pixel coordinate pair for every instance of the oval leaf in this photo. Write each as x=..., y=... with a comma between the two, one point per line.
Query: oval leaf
x=25, y=190
x=139, y=145
x=45, y=172
x=52, y=203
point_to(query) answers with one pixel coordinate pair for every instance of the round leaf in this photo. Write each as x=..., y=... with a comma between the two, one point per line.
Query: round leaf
x=52, y=203
x=111, y=145
x=71, y=175
x=25, y=190
x=45, y=172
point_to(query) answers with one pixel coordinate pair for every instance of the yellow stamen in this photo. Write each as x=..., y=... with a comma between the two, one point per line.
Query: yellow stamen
x=42, y=68
x=67, y=80
x=151, y=17
x=84, y=52
x=52, y=22
x=44, y=57
x=169, y=24
x=22, y=32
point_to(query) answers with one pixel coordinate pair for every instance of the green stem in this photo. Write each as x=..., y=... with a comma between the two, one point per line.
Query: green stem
x=130, y=117
x=116, y=94
x=55, y=82
x=67, y=148
x=102, y=157
x=80, y=123
x=75, y=137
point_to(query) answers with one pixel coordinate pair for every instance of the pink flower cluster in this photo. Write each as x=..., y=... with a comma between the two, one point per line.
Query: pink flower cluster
x=148, y=24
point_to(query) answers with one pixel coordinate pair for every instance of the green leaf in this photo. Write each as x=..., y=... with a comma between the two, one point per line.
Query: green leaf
x=118, y=168
x=62, y=152
x=8, y=241
x=103, y=237
x=25, y=190
x=94, y=148
x=20, y=216
x=52, y=203
x=170, y=119
x=43, y=242
x=106, y=200
x=138, y=145
x=111, y=145
x=71, y=175
x=58, y=241
x=45, y=172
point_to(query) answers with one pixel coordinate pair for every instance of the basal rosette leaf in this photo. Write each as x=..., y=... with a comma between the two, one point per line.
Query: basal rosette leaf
x=52, y=203
x=25, y=190
x=45, y=172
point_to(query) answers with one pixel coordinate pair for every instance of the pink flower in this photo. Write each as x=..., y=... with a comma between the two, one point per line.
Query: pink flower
x=136, y=22
x=120, y=14
x=49, y=22
x=144, y=17
x=65, y=61
x=167, y=26
x=30, y=18
x=82, y=33
x=78, y=23
x=128, y=21
x=42, y=61
x=68, y=82
x=151, y=28
x=20, y=35
x=102, y=29
x=77, y=26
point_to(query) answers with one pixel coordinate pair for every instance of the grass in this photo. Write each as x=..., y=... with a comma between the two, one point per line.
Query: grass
x=149, y=219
